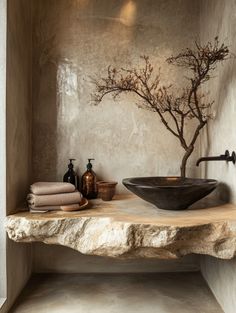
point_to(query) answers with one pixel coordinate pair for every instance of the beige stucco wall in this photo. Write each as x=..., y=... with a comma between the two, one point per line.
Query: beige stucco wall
x=75, y=39
x=18, y=118
x=218, y=17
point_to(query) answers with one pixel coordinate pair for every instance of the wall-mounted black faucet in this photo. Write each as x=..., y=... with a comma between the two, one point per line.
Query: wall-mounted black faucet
x=223, y=157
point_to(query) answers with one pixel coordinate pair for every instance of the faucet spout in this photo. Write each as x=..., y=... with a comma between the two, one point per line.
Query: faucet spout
x=223, y=157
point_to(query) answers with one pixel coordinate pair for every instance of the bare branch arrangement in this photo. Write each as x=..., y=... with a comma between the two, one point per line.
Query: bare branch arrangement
x=175, y=106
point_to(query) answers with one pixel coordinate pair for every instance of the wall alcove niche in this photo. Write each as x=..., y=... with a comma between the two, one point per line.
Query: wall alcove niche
x=88, y=36
x=52, y=48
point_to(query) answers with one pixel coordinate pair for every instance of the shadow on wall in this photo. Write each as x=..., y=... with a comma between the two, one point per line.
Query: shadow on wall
x=61, y=259
x=44, y=90
x=223, y=193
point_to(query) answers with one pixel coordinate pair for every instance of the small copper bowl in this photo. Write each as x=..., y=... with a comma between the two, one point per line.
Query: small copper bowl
x=106, y=190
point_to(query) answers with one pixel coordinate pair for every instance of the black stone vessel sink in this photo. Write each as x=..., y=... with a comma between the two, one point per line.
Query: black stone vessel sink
x=170, y=193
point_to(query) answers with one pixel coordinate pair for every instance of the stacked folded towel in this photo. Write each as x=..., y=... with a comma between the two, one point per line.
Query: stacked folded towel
x=49, y=196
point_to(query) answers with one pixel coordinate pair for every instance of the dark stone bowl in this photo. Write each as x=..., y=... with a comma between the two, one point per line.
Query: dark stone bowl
x=170, y=193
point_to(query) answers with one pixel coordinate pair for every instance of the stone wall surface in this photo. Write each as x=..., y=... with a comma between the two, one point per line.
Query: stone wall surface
x=218, y=18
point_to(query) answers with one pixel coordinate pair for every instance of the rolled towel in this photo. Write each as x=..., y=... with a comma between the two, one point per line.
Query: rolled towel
x=50, y=188
x=57, y=199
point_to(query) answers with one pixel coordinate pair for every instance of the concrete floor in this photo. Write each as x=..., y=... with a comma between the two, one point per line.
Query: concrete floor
x=113, y=293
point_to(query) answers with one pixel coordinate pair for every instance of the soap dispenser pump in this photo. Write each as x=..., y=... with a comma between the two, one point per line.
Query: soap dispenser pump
x=89, y=182
x=70, y=176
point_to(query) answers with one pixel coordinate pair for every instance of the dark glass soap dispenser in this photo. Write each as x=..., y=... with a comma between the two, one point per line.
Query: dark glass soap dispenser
x=70, y=176
x=89, y=182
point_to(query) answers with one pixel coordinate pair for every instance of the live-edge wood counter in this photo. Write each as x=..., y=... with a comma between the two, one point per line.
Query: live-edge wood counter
x=129, y=227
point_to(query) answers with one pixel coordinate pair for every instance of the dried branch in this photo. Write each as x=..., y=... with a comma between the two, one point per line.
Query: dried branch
x=185, y=104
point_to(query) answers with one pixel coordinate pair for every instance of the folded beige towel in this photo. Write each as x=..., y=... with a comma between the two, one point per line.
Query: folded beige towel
x=57, y=199
x=49, y=188
x=45, y=208
x=39, y=209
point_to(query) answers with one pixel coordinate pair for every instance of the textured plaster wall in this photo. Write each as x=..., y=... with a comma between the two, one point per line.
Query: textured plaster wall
x=18, y=118
x=219, y=18
x=73, y=40
x=76, y=39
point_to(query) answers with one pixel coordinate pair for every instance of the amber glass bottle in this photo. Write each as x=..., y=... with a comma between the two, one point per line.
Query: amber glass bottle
x=89, y=182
